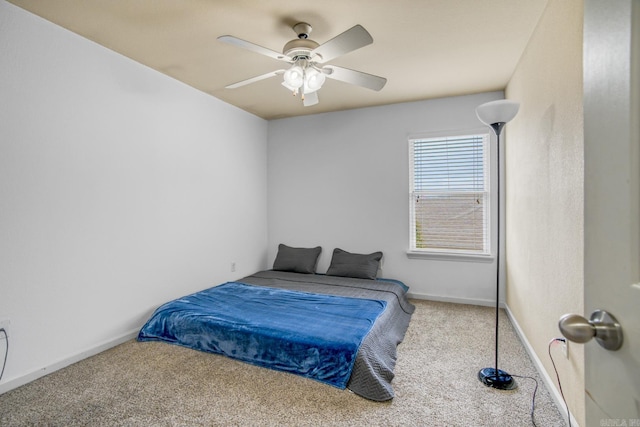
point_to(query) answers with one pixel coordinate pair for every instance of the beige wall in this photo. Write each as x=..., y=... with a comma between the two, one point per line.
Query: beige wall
x=544, y=191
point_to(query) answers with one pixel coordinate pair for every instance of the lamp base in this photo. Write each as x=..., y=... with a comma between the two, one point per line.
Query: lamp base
x=502, y=381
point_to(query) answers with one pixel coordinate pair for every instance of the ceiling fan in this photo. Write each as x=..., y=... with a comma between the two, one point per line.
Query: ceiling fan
x=307, y=73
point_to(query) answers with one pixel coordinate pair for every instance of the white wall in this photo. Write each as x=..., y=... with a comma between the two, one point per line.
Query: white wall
x=120, y=188
x=341, y=180
x=545, y=192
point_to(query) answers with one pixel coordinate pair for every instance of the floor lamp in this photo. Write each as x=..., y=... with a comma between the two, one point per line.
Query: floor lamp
x=496, y=114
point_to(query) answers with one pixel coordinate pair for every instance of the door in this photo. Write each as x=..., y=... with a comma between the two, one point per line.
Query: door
x=612, y=206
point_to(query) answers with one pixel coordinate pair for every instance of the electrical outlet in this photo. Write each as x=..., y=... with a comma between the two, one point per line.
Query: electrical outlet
x=4, y=324
x=233, y=267
x=565, y=348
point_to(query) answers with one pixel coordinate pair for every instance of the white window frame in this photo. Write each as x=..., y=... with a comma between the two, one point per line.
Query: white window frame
x=487, y=254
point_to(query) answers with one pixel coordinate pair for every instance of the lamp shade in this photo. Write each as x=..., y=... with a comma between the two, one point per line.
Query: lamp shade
x=501, y=111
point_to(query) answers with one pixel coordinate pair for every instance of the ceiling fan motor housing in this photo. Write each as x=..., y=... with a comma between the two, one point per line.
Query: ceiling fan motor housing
x=299, y=48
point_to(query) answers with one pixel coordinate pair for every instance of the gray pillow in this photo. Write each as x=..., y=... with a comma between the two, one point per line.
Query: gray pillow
x=297, y=260
x=360, y=266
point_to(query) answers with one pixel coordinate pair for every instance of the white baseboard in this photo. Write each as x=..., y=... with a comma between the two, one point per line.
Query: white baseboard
x=17, y=382
x=455, y=300
x=549, y=383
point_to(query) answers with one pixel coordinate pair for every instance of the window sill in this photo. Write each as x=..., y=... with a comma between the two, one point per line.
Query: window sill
x=449, y=256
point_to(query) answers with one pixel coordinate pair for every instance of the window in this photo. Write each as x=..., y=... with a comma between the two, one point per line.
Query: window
x=449, y=195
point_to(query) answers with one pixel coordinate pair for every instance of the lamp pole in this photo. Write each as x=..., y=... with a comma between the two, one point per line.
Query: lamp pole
x=493, y=377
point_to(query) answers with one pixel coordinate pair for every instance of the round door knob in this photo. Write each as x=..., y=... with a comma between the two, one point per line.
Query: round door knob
x=601, y=325
x=576, y=328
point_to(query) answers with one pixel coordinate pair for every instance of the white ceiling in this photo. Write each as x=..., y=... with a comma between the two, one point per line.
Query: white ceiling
x=425, y=48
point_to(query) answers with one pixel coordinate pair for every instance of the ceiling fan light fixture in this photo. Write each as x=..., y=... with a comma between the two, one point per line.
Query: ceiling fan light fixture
x=313, y=80
x=294, y=77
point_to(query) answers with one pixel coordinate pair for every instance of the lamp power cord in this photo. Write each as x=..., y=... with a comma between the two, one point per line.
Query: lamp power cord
x=533, y=398
x=6, y=352
x=535, y=390
x=558, y=376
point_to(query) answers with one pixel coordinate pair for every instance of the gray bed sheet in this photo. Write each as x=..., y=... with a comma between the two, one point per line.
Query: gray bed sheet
x=376, y=359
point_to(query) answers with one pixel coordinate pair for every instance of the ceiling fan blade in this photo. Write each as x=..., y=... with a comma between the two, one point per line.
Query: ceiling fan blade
x=354, y=77
x=352, y=39
x=254, y=79
x=310, y=99
x=254, y=48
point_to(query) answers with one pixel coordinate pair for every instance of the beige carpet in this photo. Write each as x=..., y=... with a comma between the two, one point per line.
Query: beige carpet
x=156, y=384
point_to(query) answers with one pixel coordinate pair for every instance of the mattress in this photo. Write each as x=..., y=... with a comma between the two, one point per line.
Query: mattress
x=337, y=330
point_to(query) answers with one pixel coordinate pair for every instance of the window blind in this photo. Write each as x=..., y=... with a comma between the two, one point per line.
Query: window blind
x=449, y=198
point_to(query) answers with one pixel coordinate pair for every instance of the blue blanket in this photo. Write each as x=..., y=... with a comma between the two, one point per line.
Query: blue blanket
x=313, y=335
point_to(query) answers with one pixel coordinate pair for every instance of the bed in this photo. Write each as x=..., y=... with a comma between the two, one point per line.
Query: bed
x=342, y=331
